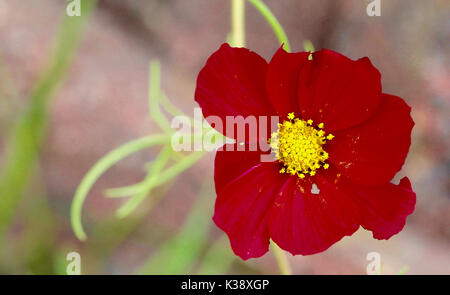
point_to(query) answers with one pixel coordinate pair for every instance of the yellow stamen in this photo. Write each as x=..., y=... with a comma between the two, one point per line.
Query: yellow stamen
x=299, y=146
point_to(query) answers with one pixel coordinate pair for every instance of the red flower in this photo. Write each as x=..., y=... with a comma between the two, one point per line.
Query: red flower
x=322, y=187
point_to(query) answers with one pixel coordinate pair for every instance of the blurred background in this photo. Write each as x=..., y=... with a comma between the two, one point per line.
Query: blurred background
x=63, y=107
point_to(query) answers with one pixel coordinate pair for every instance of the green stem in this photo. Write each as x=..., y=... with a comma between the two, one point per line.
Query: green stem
x=125, y=191
x=309, y=47
x=169, y=106
x=273, y=22
x=28, y=133
x=238, y=40
x=152, y=176
x=154, y=95
x=238, y=23
x=99, y=168
x=152, y=182
x=280, y=257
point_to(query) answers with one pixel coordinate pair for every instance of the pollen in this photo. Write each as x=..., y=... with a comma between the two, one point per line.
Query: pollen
x=298, y=146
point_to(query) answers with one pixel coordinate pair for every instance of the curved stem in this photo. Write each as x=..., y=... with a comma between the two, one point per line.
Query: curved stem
x=238, y=23
x=169, y=106
x=153, y=174
x=156, y=180
x=280, y=257
x=273, y=22
x=154, y=95
x=99, y=168
x=168, y=174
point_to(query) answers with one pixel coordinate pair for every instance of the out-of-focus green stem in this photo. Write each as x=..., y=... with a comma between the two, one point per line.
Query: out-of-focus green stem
x=137, y=188
x=238, y=40
x=156, y=180
x=403, y=270
x=280, y=257
x=238, y=23
x=99, y=168
x=273, y=22
x=218, y=259
x=169, y=106
x=181, y=253
x=29, y=131
x=309, y=47
x=153, y=174
x=154, y=95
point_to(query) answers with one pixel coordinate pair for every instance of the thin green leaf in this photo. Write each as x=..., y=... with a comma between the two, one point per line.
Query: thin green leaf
x=99, y=168
x=147, y=185
x=153, y=174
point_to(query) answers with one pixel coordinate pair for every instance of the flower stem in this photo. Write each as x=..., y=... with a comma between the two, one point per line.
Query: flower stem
x=238, y=23
x=154, y=96
x=273, y=22
x=281, y=259
x=238, y=40
x=155, y=180
x=99, y=168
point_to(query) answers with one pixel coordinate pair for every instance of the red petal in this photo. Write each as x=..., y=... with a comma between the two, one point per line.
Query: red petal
x=282, y=80
x=338, y=91
x=229, y=165
x=305, y=223
x=384, y=208
x=371, y=153
x=243, y=206
x=232, y=83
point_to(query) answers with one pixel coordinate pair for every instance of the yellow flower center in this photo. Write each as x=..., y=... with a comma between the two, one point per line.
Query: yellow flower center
x=298, y=145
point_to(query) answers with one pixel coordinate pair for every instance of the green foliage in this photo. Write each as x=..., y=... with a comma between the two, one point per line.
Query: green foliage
x=101, y=167
x=28, y=133
x=218, y=259
x=179, y=254
x=156, y=175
